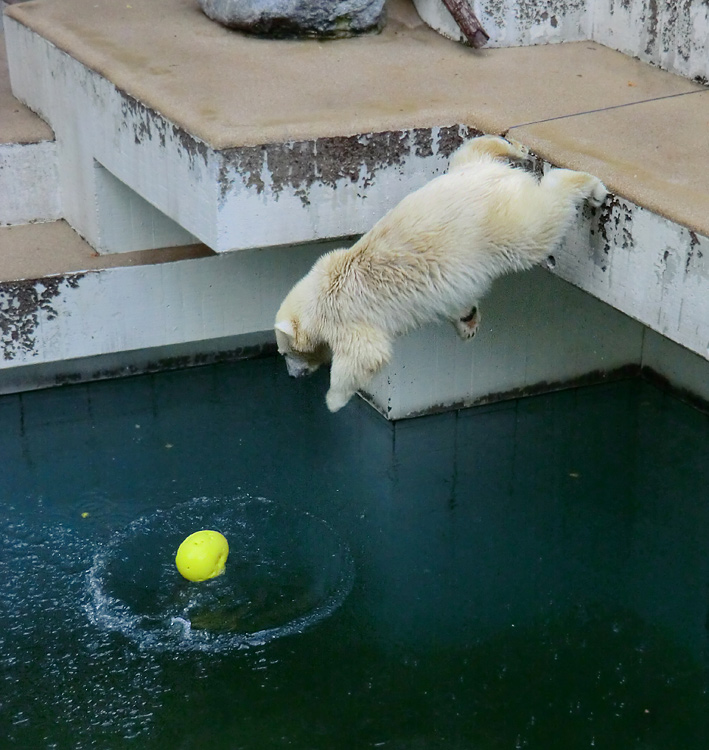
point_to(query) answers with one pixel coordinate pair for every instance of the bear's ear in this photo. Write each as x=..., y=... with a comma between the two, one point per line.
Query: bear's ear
x=286, y=326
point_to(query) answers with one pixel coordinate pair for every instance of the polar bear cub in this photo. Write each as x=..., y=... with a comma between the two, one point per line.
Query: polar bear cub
x=432, y=257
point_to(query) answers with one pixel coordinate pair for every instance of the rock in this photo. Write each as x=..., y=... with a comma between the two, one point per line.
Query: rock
x=298, y=18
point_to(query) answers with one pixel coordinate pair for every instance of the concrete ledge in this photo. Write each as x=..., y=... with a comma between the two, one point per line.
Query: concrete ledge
x=167, y=298
x=36, y=251
x=649, y=268
x=653, y=154
x=315, y=141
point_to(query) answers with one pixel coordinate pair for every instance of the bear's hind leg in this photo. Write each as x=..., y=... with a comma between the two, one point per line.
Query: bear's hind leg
x=467, y=324
x=487, y=147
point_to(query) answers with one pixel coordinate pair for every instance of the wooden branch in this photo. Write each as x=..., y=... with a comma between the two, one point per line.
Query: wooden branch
x=467, y=22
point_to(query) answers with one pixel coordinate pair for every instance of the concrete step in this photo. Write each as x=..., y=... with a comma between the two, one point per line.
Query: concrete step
x=159, y=144
x=306, y=140
x=29, y=184
x=68, y=313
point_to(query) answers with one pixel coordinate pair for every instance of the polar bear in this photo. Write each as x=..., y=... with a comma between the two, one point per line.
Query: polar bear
x=432, y=257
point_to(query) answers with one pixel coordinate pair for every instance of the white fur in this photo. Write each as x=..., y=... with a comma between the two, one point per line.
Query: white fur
x=432, y=257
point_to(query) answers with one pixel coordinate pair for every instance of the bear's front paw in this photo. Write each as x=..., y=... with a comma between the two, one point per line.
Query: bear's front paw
x=335, y=400
x=518, y=152
x=598, y=194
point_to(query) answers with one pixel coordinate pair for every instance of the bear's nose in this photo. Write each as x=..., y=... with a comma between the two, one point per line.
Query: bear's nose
x=296, y=369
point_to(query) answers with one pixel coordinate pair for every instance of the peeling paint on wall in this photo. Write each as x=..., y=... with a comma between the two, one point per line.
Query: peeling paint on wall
x=517, y=23
x=673, y=35
x=327, y=161
x=616, y=224
x=23, y=305
x=143, y=120
x=644, y=265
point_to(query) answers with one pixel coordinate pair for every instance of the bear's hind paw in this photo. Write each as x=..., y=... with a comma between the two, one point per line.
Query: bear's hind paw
x=467, y=325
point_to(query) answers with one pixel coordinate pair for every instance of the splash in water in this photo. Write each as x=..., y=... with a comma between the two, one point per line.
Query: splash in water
x=286, y=571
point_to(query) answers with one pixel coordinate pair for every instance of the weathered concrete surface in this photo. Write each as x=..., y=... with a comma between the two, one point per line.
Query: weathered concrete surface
x=134, y=362
x=33, y=251
x=673, y=35
x=330, y=19
x=649, y=268
x=29, y=183
x=515, y=23
x=655, y=153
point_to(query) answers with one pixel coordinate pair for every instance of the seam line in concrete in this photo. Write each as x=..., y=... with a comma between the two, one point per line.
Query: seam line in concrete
x=604, y=109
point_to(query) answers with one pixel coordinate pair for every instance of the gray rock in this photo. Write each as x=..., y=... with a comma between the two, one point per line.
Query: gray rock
x=298, y=18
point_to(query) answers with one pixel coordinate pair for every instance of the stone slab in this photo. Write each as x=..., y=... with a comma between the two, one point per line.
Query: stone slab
x=655, y=153
x=34, y=251
x=406, y=77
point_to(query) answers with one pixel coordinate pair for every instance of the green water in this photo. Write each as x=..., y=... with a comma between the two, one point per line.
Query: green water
x=529, y=575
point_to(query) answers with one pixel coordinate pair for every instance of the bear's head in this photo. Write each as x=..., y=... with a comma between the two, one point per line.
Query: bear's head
x=298, y=341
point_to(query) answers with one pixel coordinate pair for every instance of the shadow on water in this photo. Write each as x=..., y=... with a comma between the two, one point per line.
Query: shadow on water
x=533, y=574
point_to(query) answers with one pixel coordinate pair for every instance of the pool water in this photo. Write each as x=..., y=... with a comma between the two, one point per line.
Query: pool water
x=533, y=574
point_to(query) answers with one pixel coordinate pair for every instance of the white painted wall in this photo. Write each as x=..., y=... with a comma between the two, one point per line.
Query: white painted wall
x=84, y=111
x=515, y=23
x=682, y=368
x=645, y=266
x=671, y=35
x=536, y=331
x=140, y=307
x=129, y=221
x=317, y=205
x=29, y=183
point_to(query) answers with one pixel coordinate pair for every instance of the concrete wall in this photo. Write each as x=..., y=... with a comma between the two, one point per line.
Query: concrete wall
x=537, y=334
x=672, y=35
x=28, y=183
x=120, y=311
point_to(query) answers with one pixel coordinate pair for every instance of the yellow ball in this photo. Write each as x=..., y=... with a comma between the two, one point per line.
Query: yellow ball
x=202, y=555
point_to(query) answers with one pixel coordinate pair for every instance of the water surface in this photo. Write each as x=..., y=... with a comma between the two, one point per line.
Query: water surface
x=529, y=575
